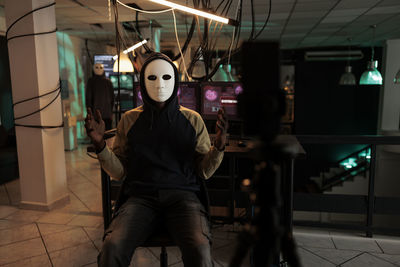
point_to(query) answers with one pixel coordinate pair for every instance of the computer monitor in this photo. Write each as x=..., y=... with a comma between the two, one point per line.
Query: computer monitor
x=126, y=81
x=187, y=95
x=215, y=95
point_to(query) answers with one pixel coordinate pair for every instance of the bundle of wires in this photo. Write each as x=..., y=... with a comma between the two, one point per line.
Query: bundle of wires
x=58, y=88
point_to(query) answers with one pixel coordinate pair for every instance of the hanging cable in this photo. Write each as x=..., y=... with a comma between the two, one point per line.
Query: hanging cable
x=144, y=11
x=179, y=46
x=266, y=21
x=26, y=14
x=39, y=96
x=39, y=110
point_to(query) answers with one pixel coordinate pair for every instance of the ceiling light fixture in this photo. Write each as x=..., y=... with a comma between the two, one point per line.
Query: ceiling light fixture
x=348, y=77
x=194, y=11
x=130, y=49
x=125, y=64
x=372, y=75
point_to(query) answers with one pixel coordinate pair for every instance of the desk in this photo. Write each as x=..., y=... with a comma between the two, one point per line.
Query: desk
x=292, y=149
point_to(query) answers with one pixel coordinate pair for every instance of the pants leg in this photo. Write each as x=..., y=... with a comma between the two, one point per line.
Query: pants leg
x=134, y=222
x=187, y=222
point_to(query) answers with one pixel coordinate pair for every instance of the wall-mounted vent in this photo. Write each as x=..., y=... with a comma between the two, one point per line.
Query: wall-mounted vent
x=333, y=55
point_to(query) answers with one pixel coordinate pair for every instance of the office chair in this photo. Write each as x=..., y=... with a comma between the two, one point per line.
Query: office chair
x=110, y=191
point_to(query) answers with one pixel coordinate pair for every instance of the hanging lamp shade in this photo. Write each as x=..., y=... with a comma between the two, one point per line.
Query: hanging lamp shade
x=347, y=77
x=231, y=77
x=125, y=64
x=397, y=78
x=220, y=75
x=371, y=76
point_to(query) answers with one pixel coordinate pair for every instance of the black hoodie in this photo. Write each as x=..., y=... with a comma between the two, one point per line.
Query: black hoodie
x=167, y=148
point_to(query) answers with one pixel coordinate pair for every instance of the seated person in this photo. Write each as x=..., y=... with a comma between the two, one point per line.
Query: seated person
x=161, y=150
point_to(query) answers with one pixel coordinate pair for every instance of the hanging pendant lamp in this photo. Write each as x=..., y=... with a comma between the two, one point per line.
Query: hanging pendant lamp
x=372, y=75
x=125, y=64
x=348, y=77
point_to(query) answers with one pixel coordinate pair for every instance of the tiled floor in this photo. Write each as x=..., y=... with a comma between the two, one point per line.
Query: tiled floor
x=71, y=235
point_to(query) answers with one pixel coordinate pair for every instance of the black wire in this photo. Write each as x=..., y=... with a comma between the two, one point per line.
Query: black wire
x=30, y=12
x=31, y=34
x=58, y=88
x=252, y=19
x=40, y=126
x=87, y=51
x=146, y=47
x=39, y=110
x=35, y=97
x=266, y=21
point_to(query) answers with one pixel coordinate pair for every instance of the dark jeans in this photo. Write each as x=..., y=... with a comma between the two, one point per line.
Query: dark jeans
x=180, y=211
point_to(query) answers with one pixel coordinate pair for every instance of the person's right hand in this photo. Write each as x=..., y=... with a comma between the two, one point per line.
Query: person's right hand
x=95, y=128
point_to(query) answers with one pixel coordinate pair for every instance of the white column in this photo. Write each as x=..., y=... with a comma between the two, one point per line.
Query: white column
x=34, y=71
x=390, y=115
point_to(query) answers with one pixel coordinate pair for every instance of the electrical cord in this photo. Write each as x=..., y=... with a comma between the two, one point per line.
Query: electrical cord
x=179, y=46
x=266, y=21
x=23, y=16
x=39, y=110
x=39, y=96
x=144, y=11
x=31, y=34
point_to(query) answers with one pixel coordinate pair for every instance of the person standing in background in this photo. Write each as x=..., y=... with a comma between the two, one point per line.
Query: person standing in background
x=100, y=94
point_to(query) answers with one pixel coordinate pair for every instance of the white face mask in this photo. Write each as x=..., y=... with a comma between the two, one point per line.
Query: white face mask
x=98, y=69
x=159, y=79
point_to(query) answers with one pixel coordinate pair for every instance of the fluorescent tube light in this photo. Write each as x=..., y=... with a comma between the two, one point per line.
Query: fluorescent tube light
x=192, y=11
x=130, y=49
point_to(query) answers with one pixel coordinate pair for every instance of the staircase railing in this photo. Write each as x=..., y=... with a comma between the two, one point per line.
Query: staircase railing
x=354, y=164
x=353, y=204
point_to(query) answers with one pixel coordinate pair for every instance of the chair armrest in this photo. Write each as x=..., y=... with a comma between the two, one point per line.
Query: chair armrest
x=109, y=134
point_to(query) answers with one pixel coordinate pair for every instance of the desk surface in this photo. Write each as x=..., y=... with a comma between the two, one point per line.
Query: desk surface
x=290, y=145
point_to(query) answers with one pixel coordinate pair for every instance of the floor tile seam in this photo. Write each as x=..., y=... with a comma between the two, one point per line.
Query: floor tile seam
x=86, y=177
x=334, y=244
x=383, y=258
x=67, y=223
x=379, y=246
x=72, y=246
x=23, y=259
x=151, y=251
x=79, y=199
x=8, y=194
x=44, y=245
x=19, y=241
x=24, y=223
x=57, y=232
x=83, y=228
x=319, y=256
x=89, y=181
x=352, y=258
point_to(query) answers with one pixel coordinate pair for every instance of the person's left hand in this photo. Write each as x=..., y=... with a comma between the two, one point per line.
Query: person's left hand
x=221, y=128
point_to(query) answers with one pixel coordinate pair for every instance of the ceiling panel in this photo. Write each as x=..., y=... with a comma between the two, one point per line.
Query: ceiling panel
x=310, y=22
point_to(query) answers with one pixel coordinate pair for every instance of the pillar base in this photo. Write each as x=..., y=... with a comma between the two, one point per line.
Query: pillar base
x=45, y=207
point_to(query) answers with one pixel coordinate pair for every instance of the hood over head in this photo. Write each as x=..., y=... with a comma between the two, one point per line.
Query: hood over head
x=149, y=103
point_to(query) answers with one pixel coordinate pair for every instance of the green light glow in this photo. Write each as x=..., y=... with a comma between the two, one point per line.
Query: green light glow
x=70, y=64
x=371, y=77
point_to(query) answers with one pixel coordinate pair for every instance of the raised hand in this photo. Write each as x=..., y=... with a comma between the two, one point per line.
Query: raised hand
x=95, y=128
x=221, y=128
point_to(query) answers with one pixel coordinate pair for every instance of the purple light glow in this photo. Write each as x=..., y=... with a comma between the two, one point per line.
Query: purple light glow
x=238, y=90
x=211, y=95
